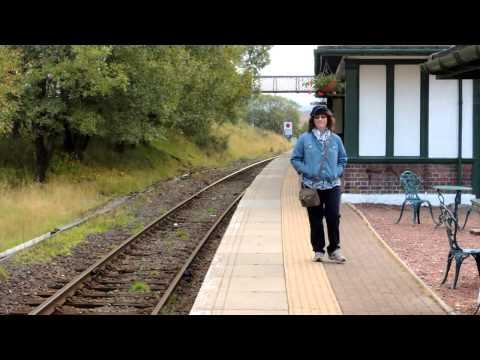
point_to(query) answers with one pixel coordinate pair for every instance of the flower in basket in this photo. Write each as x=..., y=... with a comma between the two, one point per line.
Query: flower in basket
x=327, y=84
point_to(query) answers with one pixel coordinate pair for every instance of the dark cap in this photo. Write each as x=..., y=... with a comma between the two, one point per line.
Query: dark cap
x=320, y=109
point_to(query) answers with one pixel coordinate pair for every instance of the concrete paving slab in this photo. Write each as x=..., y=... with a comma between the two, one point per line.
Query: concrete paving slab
x=248, y=312
x=258, y=271
x=267, y=283
x=263, y=264
x=260, y=204
x=259, y=258
x=253, y=300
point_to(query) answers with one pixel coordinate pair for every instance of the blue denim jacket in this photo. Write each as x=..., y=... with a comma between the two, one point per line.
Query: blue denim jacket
x=307, y=156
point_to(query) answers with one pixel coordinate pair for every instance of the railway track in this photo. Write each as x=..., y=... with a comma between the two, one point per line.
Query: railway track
x=138, y=276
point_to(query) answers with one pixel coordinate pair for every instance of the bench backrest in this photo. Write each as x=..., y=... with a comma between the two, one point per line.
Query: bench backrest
x=410, y=184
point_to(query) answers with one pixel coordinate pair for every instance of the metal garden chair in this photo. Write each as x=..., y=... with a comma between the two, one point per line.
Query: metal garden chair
x=456, y=252
x=474, y=207
x=411, y=184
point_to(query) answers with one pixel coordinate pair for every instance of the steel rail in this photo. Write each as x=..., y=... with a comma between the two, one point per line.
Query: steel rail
x=181, y=272
x=48, y=306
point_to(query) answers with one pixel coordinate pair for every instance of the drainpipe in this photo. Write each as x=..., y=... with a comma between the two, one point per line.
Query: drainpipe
x=459, y=159
x=476, y=138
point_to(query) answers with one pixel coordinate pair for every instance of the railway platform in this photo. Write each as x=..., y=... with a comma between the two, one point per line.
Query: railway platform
x=263, y=265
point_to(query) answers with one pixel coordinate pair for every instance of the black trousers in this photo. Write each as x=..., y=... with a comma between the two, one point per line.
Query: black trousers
x=330, y=209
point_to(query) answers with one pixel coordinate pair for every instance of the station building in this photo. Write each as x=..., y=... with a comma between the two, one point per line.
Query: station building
x=396, y=115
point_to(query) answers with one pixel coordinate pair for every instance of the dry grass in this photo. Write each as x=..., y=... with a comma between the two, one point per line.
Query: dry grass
x=247, y=142
x=29, y=210
x=63, y=243
x=36, y=209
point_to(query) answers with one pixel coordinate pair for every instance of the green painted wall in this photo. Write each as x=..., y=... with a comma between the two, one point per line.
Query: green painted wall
x=390, y=110
x=476, y=137
x=350, y=126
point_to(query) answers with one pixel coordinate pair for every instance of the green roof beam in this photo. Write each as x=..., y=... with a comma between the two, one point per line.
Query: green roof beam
x=453, y=62
x=359, y=51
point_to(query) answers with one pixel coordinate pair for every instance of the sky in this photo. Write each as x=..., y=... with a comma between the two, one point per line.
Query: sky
x=292, y=60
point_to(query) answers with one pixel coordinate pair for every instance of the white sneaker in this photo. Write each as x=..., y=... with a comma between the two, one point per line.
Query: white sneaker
x=337, y=257
x=318, y=257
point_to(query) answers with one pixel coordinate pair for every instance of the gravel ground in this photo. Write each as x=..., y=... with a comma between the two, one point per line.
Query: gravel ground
x=424, y=249
x=28, y=284
x=183, y=298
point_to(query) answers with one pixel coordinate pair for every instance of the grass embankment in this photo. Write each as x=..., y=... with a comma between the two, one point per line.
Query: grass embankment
x=63, y=243
x=28, y=210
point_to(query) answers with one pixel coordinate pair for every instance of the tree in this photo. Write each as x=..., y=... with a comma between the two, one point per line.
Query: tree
x=59, y=96
x=270, y=112
x=255, y=58
x=124, y=94
x=214, y=90
x=60, y=83
x=142, y=113
x=10, y=87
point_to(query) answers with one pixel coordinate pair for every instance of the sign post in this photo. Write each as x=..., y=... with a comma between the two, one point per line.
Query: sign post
x=288, y=129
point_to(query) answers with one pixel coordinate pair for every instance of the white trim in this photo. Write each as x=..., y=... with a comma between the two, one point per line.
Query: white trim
x=397, y=199
x=443, y=118
x=467, y=119
x=372, y=120
x=406, y=110
x=387, y=57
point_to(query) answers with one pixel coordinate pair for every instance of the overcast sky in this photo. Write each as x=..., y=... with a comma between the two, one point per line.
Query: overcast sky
x=292, y=60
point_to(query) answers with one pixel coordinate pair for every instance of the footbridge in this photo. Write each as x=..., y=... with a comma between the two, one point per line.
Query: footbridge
x=284, y=84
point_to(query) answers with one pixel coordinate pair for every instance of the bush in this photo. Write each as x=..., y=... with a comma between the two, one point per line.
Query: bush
x=211, y=143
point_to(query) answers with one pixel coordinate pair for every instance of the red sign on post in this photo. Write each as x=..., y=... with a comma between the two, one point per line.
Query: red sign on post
x=288, y=128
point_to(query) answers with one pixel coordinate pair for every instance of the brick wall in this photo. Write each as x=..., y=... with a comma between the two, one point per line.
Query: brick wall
x=384, y=178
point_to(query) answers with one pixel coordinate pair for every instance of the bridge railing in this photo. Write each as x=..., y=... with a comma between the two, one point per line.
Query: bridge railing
x=284, y=84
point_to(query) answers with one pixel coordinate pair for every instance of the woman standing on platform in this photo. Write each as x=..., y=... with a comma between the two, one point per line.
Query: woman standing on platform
x=320, y=158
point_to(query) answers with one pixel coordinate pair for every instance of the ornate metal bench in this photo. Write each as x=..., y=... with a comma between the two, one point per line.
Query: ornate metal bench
x=456, y=252
x=411, y=184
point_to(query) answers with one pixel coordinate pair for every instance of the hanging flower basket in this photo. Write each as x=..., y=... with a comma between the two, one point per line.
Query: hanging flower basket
x=329, y=87
x=325, y=85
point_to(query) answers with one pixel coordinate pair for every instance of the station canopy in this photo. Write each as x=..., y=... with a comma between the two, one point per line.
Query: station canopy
x=457, y=62
x=332, y=57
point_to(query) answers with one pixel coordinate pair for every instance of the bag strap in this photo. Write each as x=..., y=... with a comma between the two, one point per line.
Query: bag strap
x=302, y=185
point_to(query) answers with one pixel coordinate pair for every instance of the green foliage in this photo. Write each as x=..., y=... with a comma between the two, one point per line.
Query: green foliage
x=256, y=57
x=62, y=84
x=182, y=234
x=139, y=286
x=215, y=91
x=29, y=210
x=210, y=142
x=156, y=80
x=15, y=162
x=270, y=112
x=322, y=80
x=3, y=274
x=54, y=95
x=10, y=87
x=63, y=243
